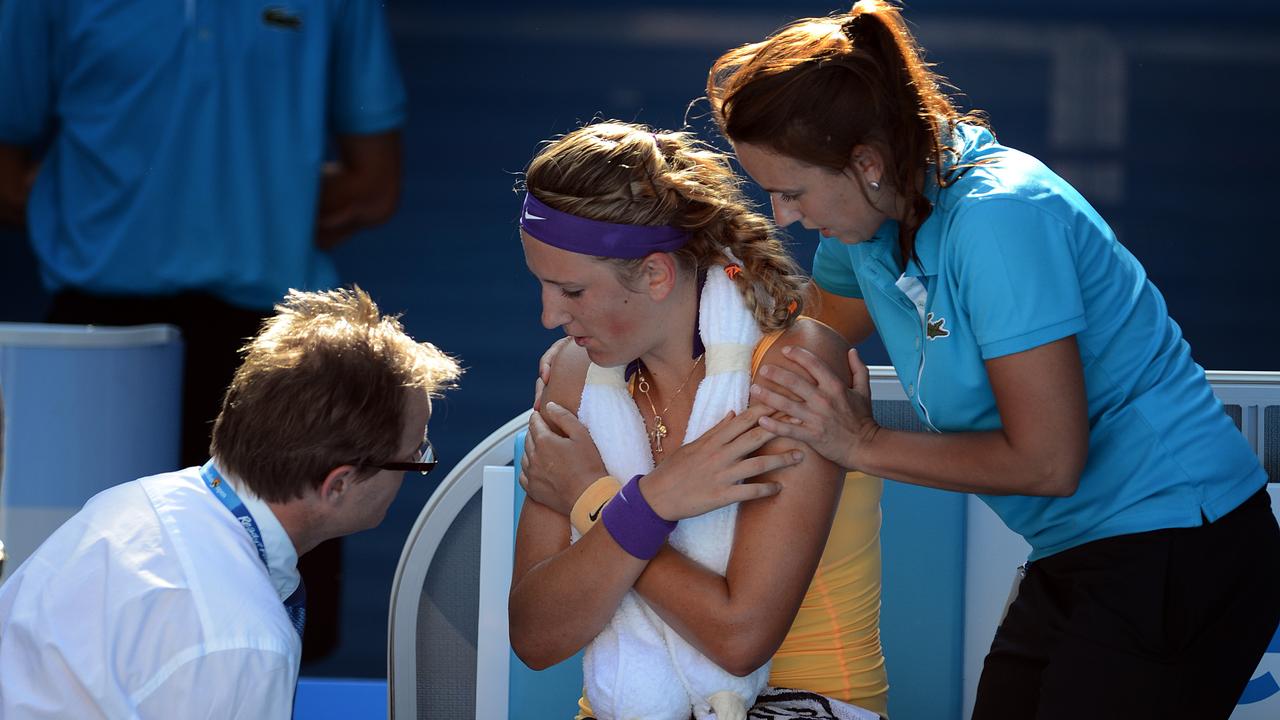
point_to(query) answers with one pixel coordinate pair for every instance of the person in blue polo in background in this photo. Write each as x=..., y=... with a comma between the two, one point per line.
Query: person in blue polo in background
x=168, y=160
x=1042, y=363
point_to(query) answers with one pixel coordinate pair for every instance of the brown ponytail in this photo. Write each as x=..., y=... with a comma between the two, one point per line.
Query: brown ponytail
x=821, y=86
x=626, y=173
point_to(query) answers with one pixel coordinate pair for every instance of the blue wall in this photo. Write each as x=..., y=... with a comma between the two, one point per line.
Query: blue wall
x=1162, y=115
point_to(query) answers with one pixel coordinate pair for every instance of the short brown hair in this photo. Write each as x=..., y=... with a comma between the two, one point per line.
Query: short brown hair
x=325, y=383
x=629, y=173
x=821, y=86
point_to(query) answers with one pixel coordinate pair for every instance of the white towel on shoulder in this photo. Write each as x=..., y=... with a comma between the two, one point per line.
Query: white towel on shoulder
x=630, y=669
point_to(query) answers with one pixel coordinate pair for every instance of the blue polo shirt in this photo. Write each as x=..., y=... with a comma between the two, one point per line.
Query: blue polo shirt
x=1011, y=258
x=185, y=138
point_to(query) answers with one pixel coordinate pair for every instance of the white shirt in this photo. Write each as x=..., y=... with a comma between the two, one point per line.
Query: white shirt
x=152, y=602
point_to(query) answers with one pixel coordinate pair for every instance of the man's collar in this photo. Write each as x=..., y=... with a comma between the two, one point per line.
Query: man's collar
x=282, y=556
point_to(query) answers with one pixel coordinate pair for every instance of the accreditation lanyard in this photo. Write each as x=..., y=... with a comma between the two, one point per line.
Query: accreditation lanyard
x=296, y=604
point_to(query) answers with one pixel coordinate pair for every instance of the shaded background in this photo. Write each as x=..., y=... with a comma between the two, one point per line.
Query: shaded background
x=1161, y=114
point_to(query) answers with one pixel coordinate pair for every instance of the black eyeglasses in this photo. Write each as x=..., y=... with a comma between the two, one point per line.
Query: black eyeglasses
x=424, y=461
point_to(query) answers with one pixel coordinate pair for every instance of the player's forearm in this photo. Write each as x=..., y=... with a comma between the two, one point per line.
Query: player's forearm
x=735, y=632
x=976, y=462
x=562, y=603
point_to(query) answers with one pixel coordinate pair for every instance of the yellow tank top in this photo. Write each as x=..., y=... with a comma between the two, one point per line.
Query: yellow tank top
x=833, y=646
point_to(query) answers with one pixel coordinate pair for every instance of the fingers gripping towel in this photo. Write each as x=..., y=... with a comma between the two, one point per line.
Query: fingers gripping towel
x=630, y=669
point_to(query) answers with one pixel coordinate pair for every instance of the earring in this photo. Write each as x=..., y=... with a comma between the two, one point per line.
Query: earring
x=875, y=185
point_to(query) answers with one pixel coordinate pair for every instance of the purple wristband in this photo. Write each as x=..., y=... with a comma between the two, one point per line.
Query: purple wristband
x=633, y=524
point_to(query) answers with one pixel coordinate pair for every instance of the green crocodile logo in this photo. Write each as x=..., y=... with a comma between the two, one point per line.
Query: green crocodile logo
x=935, y=329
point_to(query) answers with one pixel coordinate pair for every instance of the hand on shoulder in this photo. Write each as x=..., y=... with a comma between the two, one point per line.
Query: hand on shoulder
x=560, y=460
x=820, y=339
x=820, y=391
x=544, y=370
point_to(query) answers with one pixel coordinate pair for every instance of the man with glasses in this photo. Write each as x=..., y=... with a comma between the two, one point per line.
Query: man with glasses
x=178, y=594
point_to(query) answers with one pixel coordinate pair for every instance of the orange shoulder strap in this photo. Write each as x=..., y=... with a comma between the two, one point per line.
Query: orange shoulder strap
x=757, y=355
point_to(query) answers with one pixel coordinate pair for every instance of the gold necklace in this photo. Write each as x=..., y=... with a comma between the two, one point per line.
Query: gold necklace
x=659, y=431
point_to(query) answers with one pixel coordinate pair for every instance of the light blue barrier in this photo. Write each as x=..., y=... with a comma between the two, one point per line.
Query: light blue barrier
x=85, y=408
x=922, y=543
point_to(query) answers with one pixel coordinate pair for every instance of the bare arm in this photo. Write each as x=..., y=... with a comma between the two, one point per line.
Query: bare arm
x=361, y=189
x=847, y=316
x=562, y=595
x=1040, y=448
x=737, y=620
x=17, y=175
x=544, y=370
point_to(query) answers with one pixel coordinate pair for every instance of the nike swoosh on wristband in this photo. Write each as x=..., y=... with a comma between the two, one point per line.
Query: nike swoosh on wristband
x=592, y=516
x=527, y=216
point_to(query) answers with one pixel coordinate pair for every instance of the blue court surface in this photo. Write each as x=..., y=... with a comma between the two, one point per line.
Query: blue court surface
x=340, y=699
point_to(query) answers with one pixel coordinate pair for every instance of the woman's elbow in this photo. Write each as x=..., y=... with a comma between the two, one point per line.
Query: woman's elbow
x=529, y=646
x=1062, y=487
x=1060, y=476
x=744, y=665
x=536, y=655
x=531, y=660
x=742, y=652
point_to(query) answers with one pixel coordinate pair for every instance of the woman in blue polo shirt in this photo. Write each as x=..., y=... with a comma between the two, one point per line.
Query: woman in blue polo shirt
x=1042, y=361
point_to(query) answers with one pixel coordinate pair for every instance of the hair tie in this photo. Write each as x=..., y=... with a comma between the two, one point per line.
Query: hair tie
x=733, y=271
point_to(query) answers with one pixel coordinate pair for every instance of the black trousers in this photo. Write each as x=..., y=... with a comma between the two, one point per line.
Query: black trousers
x=213, y=331
x=1163, y=624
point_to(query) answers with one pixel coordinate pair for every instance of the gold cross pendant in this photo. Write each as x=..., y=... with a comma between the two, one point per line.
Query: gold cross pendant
x=658, y=434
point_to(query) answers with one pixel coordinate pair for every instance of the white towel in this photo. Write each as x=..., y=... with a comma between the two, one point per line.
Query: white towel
x=630, y=669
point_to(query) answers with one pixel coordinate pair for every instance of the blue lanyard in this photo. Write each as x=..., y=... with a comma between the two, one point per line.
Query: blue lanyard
x=295, y=604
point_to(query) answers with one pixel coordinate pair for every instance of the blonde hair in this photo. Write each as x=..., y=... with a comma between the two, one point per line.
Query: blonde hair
x=325, y=383
x=627, y=173
x=821, y=86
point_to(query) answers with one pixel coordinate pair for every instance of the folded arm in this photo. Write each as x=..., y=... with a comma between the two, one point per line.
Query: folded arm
x=563, y=596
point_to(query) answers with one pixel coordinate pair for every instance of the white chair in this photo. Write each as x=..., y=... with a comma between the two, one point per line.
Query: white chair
x=448, y=653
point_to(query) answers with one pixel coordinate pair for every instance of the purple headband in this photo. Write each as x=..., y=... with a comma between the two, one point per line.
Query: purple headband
x=593, y=237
